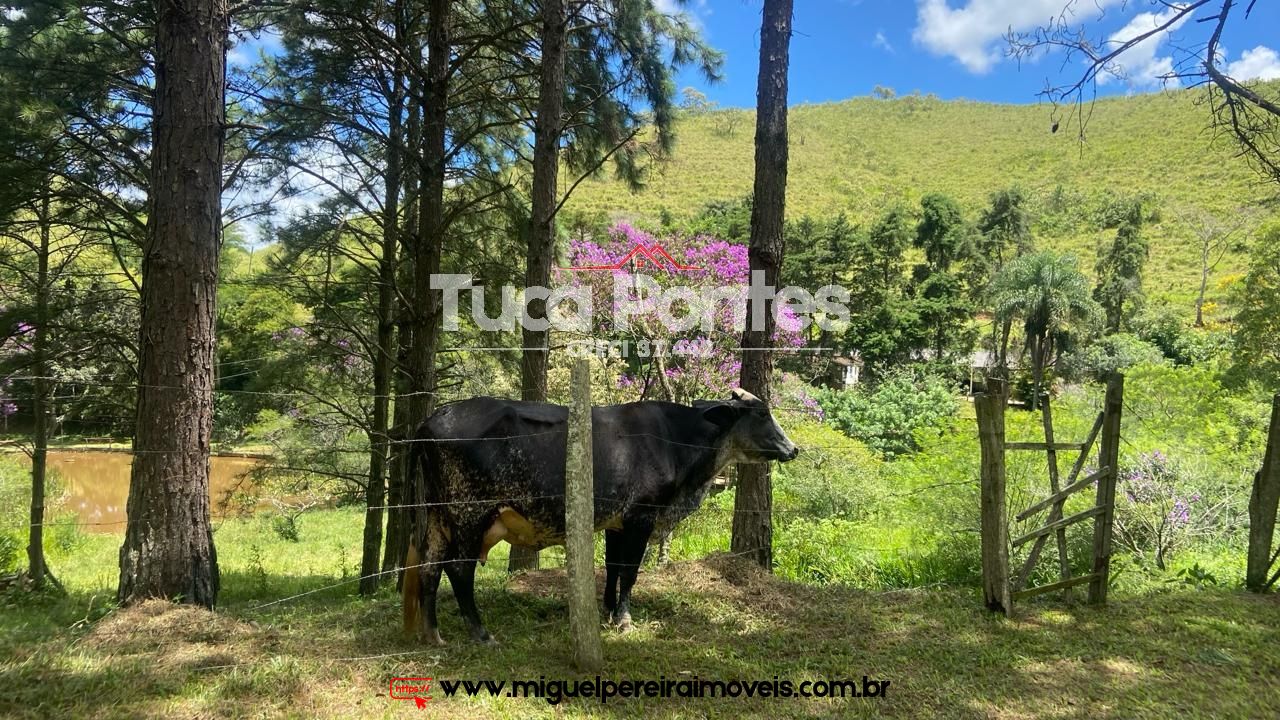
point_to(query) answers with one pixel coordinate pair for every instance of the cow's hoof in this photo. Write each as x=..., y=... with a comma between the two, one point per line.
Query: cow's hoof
x=484, y=638
x=623, y=623
x=431, y=637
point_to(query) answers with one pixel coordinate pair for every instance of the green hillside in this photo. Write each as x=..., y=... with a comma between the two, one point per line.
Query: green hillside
x=862, y=155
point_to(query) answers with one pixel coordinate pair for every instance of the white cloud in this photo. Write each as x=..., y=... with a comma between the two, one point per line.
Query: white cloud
x=693, y=10
x=1141, y=66
x=247, y=49
x=1260, y=63
x=882, y=42
x=973, y=33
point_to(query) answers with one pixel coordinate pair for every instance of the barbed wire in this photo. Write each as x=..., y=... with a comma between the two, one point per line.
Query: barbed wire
x=173, y=642
x=305, y=394
x=394, y=441
x=448, y=561
x=360, y=509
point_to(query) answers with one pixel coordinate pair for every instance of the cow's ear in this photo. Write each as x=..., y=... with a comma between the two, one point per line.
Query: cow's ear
x=722, y=414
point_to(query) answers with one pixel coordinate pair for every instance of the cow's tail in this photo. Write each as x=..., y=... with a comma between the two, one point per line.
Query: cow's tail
x=411, y=589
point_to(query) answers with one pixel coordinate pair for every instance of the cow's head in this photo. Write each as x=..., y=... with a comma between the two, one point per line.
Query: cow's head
x=751, y=433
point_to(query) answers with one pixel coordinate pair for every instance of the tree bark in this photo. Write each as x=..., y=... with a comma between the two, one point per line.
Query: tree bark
x=989, y=406
x=542, y=234
x=579, y=522
x=430, y=241
x=384, y=362
x=398, y=475
x=1263, y=501
x=168, y=550
x=40, y=402
x=430, y=245
x=397, y=482
x=753, y=505
x=1204, y=284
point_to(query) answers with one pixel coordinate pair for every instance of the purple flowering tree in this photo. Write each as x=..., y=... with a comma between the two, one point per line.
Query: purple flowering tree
x=1158, y=511
x=679, y=365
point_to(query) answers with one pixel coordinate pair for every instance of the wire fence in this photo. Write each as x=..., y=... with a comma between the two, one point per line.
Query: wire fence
x=706, y=510
x=391, y=443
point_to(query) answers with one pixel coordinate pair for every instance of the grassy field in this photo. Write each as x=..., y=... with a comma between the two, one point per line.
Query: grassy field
x=877, y=573
x=1164, y=652
x=863, y=155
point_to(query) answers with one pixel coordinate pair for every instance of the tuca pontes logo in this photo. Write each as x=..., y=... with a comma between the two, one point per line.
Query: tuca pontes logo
x=679, y=308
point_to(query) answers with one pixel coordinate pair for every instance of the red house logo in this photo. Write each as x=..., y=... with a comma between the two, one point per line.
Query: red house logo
x=654, y=255
x=417, y=689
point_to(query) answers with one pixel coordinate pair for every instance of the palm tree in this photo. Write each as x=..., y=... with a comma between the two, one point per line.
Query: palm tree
x=1052, y=296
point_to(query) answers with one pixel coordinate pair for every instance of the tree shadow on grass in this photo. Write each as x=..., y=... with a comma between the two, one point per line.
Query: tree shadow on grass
x=331, y=654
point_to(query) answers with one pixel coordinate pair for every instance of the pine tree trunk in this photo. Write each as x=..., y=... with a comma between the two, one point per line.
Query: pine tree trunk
x=384, y=362
x=430, y=241
x=542, y=235
x=168, y=550
x=426, y=331
x=40, y=403
x=753, y=506
x=397, y=481
x=397, y=476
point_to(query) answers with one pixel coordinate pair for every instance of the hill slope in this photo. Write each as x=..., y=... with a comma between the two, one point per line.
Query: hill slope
x=861, y=155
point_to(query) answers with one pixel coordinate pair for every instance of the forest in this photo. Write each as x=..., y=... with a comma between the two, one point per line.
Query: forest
x=219, y=226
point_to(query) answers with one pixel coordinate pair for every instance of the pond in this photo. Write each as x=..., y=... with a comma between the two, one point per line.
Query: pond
x=97, y=484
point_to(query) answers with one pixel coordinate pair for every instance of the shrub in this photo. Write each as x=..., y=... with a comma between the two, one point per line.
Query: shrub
x=1114, y=208
x=889, y=416
x=839, y=551
x=285, y=526
x=1164, y=328
x=15, y=495
x=1114, y=353
x=1157, y=509
x=11, y=545
x=1189, y=413
x=834, y=474
x=794, y=400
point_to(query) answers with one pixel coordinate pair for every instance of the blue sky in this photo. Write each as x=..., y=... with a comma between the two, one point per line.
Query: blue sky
x=954, y=48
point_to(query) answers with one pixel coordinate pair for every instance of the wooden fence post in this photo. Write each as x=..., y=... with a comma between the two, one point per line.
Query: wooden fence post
x=1263, y=502
x=995, y=527
x=1108, y=457
x=579, y=526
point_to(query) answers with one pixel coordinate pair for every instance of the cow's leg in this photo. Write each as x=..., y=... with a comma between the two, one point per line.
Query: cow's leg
x=462, y=575
x=634, y=542
x=612, y=551
x=430, y=590
x=438, y=543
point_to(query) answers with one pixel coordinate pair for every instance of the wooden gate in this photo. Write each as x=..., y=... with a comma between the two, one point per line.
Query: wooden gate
x=1000, y=588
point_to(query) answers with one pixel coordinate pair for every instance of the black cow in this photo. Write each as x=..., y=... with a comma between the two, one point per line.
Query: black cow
x=494, y=470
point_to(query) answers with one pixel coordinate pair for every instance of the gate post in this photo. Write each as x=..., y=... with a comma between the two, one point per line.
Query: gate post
x=579, y=525
x=990, y=406
x=1263, y=502
x=1108, y=457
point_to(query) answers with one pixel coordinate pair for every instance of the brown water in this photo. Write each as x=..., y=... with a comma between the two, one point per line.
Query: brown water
x=97, y=484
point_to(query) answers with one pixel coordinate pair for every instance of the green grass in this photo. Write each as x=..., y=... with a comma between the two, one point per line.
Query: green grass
x=876, y=575
x=862, y=155
x=1161, y=651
